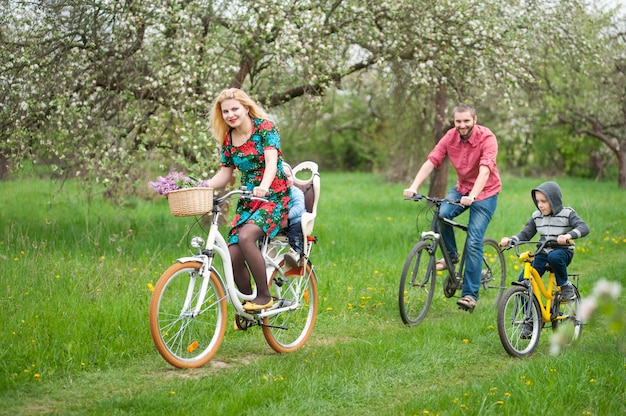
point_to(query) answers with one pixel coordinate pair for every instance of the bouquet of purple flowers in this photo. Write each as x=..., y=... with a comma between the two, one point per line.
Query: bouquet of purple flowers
x=175, y=181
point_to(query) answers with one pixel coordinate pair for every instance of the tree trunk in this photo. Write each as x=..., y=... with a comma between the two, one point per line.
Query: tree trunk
x=439, y=178
x=621, y=166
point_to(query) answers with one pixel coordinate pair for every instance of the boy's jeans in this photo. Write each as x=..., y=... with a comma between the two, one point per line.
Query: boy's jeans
x=294, y=234
x=558, y=260
x=480, y=215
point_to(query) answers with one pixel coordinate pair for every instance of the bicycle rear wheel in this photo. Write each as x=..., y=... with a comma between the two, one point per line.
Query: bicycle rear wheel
x=519, y=322
x=182, y=339
x=417, y=284
x=493, y=275
x=290, y=330
x=568, y=321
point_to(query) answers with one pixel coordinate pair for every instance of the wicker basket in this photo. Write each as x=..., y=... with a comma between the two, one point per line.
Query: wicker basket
x=190, y=202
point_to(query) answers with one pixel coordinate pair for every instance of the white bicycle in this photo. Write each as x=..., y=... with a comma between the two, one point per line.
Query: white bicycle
x=188, y=306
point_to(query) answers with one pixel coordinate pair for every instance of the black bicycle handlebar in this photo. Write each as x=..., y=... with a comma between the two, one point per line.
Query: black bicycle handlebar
x=435, y=200
x=540, y=245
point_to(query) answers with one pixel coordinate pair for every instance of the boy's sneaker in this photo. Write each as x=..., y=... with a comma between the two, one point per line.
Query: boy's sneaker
x=292, y=258
x=568, y=292
x=527, y=331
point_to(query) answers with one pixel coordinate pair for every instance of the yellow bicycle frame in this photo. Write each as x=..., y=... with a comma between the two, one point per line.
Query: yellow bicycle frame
x=538, y=287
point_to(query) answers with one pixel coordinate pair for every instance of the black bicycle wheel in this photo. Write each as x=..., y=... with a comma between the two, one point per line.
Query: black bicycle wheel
x=519, y=322
x=417, y=284
x=568, y=320
x=493, y=276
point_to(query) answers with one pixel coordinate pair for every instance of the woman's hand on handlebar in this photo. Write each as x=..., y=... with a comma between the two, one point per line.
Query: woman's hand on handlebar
x=259, y=192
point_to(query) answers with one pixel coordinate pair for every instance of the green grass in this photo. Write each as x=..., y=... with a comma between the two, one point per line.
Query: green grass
x=74, y=337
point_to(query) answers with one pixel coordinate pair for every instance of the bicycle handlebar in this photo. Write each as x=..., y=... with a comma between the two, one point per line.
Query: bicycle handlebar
x=244, y=194
x=435, y=200
x=540, y=245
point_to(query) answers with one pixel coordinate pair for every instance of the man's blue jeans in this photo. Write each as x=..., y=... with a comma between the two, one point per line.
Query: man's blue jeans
x=480, y=215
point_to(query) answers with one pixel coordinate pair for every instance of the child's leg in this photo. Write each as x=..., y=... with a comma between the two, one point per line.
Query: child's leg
x=559, y=260
x=294, y=234
x=539, y=264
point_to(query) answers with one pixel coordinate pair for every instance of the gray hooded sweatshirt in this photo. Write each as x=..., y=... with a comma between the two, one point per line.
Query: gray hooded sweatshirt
x=562, y=220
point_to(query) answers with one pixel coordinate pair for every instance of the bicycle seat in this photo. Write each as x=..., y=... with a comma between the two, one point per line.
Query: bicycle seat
x=307, y=178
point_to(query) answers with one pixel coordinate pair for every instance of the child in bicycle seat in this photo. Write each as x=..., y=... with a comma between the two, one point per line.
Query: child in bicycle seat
x=294, y=229
x=553, y=222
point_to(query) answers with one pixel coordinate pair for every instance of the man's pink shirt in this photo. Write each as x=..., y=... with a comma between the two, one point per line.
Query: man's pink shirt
x=467, y=156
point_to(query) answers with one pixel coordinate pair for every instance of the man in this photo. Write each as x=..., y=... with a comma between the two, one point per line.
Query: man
x=472, y=150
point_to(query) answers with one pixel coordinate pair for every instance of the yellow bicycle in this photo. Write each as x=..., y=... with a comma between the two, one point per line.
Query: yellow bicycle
x=526, y=307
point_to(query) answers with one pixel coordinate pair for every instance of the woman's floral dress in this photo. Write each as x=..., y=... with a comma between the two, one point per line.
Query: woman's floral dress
x=270, y=216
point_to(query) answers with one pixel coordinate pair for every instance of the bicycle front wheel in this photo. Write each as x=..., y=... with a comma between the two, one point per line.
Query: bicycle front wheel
x=519, y=322
x=184, y=338
x=417, y=284
x=289, y=330
x=493, y=274
x=568, y=320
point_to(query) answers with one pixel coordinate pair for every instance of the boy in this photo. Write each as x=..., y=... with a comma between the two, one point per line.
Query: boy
x=552, y=221
x=294, y=229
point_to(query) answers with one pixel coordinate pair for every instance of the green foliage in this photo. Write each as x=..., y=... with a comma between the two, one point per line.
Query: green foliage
x=74, y=290
x=93, y=88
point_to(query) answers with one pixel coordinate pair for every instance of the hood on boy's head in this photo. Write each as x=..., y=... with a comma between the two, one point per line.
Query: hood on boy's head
x=552, y=191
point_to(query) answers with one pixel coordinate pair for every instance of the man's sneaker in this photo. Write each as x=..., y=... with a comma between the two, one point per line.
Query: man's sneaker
x=568, y=292
x=527, y=331
x=292, y=258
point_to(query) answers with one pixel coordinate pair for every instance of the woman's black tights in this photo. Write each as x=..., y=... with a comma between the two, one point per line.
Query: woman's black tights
x=246, y=255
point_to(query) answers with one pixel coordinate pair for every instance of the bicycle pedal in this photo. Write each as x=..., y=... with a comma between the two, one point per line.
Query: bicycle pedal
x=465, y=308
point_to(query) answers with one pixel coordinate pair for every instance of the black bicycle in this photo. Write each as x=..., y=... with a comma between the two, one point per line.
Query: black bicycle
x=417, y=284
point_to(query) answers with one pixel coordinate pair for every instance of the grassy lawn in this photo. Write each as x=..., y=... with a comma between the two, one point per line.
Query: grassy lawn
x=75, y=283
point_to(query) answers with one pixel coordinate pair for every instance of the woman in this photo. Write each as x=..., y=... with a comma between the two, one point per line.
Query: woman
x=250, y=142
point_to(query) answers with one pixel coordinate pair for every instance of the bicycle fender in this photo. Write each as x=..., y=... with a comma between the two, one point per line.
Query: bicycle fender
x=187, y=259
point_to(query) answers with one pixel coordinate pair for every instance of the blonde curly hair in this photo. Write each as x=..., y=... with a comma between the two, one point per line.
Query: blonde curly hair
x=219, y=128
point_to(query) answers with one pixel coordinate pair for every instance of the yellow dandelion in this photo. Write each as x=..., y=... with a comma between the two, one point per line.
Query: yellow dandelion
x=507, y=394
x=265, y=377
x=466, y=341
x=329, y=309
x=528, y=383
x=172, y=392
x=37, y=376
x=593, y=380
x=500, y=402
x=151, y=287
